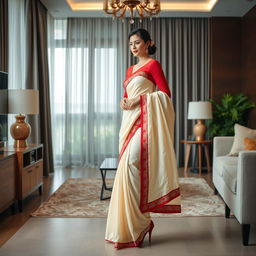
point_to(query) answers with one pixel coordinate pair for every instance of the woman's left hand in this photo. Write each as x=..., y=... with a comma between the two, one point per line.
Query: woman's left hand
x=132, y=103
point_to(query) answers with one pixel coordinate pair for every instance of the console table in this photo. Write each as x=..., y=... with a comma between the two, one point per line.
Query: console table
x=28, y=168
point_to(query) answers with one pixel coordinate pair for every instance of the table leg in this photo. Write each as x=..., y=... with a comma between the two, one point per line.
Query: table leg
x=103, y=182
x=200, y=159
x=188, y=149
x=104, y=179
x=206, y=150
x=104, y=185
x=40, y=190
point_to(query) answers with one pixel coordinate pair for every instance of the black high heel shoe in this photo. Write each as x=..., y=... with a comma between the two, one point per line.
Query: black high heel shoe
x=149, y=231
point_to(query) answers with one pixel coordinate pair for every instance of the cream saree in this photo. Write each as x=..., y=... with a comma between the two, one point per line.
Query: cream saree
x=146, y=179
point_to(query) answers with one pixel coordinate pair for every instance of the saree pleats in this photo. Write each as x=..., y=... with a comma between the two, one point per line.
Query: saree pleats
x=125, y=220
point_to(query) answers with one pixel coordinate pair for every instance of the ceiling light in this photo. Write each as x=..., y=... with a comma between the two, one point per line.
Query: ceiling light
x=144, y=8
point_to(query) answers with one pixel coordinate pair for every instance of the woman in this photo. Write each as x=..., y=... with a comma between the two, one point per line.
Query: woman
x=146, y=179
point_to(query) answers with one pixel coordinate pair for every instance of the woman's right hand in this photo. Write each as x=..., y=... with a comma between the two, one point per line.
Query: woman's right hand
x=128, y=104
x=123, y=103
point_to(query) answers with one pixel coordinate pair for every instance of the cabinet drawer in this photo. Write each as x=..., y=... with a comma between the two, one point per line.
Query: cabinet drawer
x=26, y=181
x=39, y=172
x=32, y=177
x=37, y=175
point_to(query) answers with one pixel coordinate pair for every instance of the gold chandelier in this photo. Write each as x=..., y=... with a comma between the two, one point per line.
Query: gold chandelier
x=145, y=8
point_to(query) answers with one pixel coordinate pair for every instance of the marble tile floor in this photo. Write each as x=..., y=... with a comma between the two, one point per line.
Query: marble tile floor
x=193, y=236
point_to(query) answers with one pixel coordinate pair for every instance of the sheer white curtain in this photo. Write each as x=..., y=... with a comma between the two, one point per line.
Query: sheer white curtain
x=88, y=60
x=17, y=43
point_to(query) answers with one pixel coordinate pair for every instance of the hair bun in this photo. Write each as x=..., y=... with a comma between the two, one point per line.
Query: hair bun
x=152, y=49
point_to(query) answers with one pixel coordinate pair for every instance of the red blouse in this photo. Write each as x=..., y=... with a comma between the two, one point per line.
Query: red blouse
x=154, y=69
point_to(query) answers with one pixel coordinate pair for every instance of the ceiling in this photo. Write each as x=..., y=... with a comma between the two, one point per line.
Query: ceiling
x=197, y=8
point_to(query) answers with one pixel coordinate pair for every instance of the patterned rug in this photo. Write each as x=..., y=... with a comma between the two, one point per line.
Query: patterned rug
x=80, y=198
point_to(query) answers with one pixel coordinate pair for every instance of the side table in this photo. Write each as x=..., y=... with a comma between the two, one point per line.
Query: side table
x=109, y=164
x=199, y=144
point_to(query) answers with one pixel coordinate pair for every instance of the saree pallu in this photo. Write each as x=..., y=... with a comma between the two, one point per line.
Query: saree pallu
x=146, y=179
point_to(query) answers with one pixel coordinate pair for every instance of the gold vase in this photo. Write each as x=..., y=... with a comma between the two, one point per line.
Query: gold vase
x=20, y=130
x=199, y=130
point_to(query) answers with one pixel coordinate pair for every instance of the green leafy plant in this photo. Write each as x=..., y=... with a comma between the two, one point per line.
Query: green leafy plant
x=232, y=109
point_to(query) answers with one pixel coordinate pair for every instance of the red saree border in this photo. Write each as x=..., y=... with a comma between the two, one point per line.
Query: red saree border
x=144, y=154
x=136, y=243
x=141, y=73
x=133, y=130
x=157, y=205
x=168, y=209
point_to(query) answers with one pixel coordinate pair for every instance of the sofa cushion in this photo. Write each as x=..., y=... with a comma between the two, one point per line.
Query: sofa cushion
x=230, y=177
x=249, y=144
x=222, y=162
x=241, y=132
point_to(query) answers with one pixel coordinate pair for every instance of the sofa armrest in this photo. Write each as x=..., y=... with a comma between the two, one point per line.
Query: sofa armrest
x=246, y=185
x=222, y=145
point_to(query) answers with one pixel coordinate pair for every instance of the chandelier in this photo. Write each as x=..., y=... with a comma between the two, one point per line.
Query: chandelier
x=145, y=8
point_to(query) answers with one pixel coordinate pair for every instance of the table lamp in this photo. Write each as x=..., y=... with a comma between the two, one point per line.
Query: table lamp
x=200, y=110
x=22, y=102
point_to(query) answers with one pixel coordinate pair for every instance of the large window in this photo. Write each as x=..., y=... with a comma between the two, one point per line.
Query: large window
x=84, y=100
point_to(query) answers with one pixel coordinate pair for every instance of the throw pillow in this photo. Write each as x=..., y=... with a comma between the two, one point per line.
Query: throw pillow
x=250, y=144
x=241, y=132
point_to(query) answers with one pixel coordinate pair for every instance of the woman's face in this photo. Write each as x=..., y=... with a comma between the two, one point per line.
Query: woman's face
x=138, y=47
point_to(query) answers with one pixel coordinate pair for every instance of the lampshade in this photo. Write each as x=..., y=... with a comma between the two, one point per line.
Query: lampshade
x=200, y=110
x=23, y=101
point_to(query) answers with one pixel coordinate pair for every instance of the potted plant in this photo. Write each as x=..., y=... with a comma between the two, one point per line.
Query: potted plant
x=232, y=109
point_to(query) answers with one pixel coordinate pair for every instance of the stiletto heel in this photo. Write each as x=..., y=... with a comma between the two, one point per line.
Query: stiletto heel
x=149, y=231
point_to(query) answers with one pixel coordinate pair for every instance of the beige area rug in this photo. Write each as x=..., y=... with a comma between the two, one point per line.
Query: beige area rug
x=79, y=197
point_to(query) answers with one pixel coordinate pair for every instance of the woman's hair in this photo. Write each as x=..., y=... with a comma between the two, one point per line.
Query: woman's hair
x=145, y=36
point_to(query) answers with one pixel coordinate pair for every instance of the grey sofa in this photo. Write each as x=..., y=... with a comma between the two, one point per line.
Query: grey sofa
x=234, y=178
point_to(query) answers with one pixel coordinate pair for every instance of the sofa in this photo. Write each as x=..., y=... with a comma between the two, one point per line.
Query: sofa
x=234, y=178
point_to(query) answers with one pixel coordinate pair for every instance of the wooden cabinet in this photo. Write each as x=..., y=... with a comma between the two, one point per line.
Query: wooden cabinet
x=7, y=179
x=30, y=171
x=22, y=174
